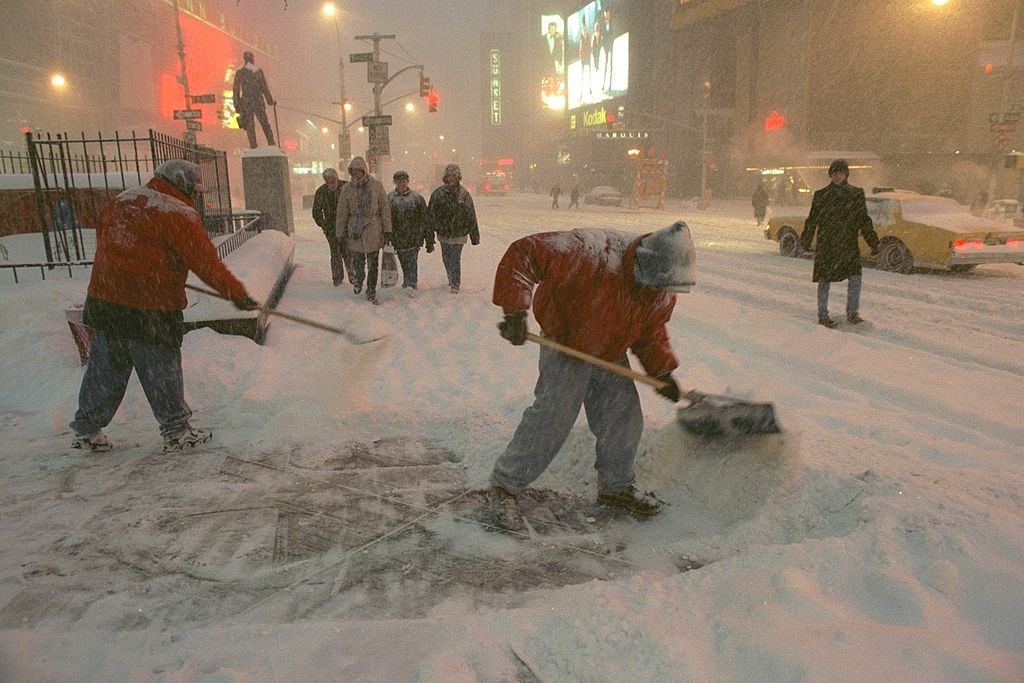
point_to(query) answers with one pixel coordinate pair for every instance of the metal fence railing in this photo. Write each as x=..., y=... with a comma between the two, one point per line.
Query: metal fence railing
x=73, y=178
x=242, y=227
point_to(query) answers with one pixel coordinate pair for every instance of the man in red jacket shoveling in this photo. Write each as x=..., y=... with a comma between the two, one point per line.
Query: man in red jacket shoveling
x=601, y=292
x=148, y=240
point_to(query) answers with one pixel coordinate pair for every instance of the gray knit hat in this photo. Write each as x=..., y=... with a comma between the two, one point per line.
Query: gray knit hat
x=452, y=169
x=667, y=259
x=184, y=175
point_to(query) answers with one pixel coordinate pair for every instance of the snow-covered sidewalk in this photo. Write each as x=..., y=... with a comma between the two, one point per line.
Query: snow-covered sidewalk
x=330, y=532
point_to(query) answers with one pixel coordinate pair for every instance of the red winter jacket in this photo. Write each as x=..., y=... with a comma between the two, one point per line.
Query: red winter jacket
x=586, y=296
x=148, y=239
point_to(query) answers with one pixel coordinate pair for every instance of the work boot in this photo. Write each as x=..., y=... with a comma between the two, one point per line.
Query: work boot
x=504, y=509
x=854, y=319
x=453, y=289
x=631, y=500
x=827, y=322
x=97, y=443
x=371, y=296
x=190, y=438
x=357, y=287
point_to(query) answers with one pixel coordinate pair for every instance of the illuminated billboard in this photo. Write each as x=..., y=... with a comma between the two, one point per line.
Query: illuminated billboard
x=552, y=84
x=597, y=53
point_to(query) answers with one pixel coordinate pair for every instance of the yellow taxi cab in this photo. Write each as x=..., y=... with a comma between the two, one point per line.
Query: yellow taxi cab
x=923, y=231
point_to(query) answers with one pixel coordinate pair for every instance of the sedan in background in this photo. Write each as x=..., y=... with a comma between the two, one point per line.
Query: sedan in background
x=921, y=231
x=603, y=195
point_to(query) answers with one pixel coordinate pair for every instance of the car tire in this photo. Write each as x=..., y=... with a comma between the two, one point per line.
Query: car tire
x=963, y=267
x=789, y=243
x=894, y=256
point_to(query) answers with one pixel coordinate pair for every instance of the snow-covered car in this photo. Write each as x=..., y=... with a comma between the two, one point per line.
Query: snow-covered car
x=603, y=195
x=920, y=230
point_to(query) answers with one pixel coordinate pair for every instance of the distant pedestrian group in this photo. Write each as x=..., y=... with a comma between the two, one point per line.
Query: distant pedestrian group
x=359, y=220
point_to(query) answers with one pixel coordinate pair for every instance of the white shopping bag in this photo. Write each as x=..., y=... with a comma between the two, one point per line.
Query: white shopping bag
x=388, y=267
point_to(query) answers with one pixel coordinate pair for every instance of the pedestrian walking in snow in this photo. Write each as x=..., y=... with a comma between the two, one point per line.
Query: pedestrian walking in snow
x=602, y=292
x=409, y=227
x=148, y=240
x=249, y=91
x=364, y=221
x=760, y=203
x=452, y=217
x=325, y=213
x=838, y=214
x=556, y=192
x=574, y=197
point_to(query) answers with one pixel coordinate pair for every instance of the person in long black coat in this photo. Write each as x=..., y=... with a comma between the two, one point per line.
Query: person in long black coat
x=325, y=213
x=838, y=214
x=760, y=203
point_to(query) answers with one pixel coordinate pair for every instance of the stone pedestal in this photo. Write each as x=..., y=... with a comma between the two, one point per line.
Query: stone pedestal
x=267, y=185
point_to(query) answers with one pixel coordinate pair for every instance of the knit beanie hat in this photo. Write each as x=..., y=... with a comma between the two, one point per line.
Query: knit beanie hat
x=839, y=165
x=184, y=175
x=667, y=259
x=452, y=169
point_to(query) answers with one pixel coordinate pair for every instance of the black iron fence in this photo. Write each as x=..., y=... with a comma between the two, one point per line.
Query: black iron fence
x=73, y=178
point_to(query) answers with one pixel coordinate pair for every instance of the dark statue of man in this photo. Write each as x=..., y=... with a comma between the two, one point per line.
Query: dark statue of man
x=250, y=91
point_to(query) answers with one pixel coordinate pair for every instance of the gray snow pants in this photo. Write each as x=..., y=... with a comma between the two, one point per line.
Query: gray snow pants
x=564, y=385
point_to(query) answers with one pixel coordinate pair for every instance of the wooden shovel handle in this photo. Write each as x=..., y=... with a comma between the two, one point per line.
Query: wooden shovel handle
x=598, y=362
x=279, y=314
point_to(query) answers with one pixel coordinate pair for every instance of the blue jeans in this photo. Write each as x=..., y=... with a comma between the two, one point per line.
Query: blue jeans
x=360, y=261
x=564, y=385
x=451, y=256
x=111, y=361
x=408, y=258
x=852, y=296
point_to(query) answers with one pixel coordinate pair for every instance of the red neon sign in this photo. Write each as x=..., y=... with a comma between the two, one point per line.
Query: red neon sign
x=775, y=122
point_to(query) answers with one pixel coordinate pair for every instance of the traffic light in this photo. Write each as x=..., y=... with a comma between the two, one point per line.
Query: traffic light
x=424, y=86
x=432, y=100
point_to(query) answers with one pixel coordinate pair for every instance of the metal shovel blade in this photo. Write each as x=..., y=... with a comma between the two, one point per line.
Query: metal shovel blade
x=713, y=416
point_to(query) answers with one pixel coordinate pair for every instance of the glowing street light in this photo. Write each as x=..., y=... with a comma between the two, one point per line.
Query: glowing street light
x=329, y=9
x=348, y=105
x=58, y=81
x=361, y=129
x=440, y=137
x=325, y=130
x=410, y=107
x=940, y=3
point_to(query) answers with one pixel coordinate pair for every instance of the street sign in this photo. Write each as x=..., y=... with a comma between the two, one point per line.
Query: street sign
x=380, y=141
x=377, y=120
x=1001, y=143
x=193, y=125
x=1004, y=127
x=360, y=57
x=188, y=114
x=376, y=72
x=204, y=99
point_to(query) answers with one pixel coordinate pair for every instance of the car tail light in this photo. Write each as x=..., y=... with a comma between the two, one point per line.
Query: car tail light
x=1015, y=243
x=505, y=186
x=963, y=245
x=487, y=186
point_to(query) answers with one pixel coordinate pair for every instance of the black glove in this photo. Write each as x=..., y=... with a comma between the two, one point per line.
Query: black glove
x=671, y=392
x=513, y=328
x=387, y=238
x=474, y=242
x=430, y=248
x=247, y=304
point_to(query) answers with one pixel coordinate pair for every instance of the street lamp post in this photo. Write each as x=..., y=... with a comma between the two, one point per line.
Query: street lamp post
x=344, y=141
x=703, y=203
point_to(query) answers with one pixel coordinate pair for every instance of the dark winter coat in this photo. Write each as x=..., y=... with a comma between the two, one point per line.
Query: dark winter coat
x=587, y=296
x=408, y=220
x=250, y=89
x=760, y=200
x=838, y=214
x=325, y=207
x=451, y=214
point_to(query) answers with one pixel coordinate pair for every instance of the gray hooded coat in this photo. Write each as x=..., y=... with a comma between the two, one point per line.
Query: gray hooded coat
x=364, y=214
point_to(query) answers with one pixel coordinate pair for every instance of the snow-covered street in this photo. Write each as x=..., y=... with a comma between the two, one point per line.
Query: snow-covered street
x=331, y=529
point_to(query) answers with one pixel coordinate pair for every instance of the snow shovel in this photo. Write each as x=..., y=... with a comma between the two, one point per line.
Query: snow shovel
x=707, y=415
x=295, y=319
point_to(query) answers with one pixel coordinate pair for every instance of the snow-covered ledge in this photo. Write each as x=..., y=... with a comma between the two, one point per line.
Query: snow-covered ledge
x=264, y=264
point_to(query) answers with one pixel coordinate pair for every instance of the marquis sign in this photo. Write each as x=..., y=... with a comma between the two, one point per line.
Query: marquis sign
x=623, y=134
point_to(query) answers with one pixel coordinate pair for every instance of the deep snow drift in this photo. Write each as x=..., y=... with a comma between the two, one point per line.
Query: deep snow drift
x=328, y=532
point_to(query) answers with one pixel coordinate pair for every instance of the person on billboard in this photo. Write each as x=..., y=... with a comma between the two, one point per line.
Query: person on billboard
x=586, y=59
x=249, y=91
x=595, y=58
x=554, y=44
x=607, y=41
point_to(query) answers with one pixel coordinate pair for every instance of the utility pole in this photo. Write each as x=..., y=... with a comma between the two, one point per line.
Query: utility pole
x=344, y=140
x=190, y=136
x=703, y=202
x=377, y=87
